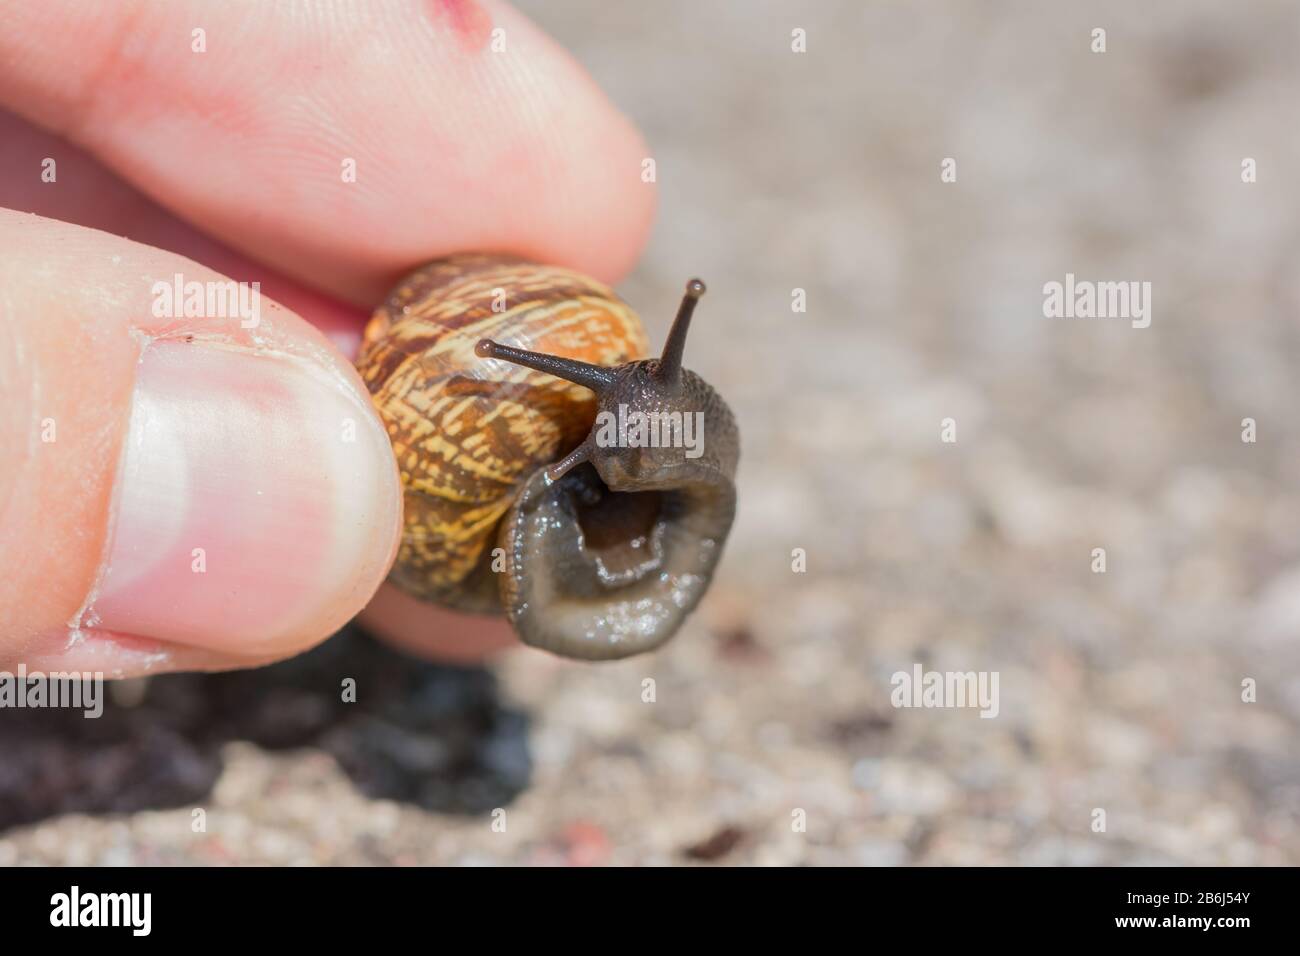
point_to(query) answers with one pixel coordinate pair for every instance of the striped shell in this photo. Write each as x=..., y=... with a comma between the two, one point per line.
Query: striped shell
x=468, y=431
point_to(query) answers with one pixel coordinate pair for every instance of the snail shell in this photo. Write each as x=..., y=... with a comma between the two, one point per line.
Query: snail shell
x=488, y=372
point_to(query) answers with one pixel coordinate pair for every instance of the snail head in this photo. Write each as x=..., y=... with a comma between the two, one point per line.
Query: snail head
x=610, y=548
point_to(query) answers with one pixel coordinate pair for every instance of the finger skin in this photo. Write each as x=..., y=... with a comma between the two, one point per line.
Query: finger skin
x=79, y=343
x=458, y=143
x=85, y=192
x=433, y=632
x=91, y=195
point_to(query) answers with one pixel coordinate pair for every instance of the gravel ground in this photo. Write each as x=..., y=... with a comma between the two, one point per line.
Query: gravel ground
x=820, y=171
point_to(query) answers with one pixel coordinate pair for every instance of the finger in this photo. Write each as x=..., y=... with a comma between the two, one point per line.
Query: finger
x=466, y=126
x=184, y=492
x=84, y=192
x=433, y=632
x=95, y=197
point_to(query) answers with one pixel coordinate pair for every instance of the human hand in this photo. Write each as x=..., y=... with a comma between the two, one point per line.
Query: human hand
x=182, y=492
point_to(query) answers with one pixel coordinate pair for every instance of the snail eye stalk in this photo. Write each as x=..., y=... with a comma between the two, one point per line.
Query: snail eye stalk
x=595, y=377
x=670, y=363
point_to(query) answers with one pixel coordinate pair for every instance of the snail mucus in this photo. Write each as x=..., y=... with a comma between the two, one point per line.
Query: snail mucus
x=497, y=380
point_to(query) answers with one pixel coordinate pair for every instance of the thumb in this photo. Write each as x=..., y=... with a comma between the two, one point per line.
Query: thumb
x=175, y=492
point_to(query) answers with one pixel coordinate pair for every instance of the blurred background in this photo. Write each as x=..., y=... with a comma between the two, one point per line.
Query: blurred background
x=820, y=171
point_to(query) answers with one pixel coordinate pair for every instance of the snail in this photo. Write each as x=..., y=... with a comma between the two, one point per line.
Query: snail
x=536, y=482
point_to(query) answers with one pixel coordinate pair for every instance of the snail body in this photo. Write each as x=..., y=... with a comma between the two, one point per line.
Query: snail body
x=498, y=380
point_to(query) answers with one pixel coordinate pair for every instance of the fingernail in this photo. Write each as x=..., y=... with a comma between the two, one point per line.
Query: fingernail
x=256, y=502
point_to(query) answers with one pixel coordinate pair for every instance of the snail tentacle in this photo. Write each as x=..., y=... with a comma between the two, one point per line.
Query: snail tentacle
x=670, y=363
x=594, y=377
x=576, y=457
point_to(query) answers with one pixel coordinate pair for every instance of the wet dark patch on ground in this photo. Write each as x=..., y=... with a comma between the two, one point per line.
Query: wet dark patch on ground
x=433, y=736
